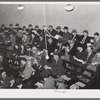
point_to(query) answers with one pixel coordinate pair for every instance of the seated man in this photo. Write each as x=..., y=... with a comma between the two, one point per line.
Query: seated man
x=56, y=68
x=84, y=57
x=96, y=42
x=95, y=61
x=4, y=80
x=75, y=36
x=85, y=39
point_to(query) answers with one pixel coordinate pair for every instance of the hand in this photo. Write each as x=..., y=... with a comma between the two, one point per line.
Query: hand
x=83, y=62
x=95, y=63
x=47, y=67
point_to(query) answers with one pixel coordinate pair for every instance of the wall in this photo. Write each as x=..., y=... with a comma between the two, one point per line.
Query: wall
x=83, y=16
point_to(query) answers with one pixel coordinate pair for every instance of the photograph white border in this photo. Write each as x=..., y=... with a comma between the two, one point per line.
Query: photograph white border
x=49, y=93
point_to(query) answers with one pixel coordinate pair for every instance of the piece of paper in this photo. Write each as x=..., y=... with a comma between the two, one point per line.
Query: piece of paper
x=80, y=84
x=39, y=84
x=65, y=77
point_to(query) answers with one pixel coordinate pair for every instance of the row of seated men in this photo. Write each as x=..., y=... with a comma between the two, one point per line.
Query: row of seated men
x=42, y=55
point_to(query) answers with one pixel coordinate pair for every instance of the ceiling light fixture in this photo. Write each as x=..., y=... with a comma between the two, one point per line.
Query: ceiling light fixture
x=69, y=7
x=20, y=7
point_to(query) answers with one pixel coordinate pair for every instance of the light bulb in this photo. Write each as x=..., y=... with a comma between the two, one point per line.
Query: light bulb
x=47, y=57
x=20, y=7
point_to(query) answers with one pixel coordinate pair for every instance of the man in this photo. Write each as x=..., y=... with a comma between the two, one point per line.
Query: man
x=59, y=32
x=30, y=29
x=75, y=37
x=96, y=42
x=26, y=38
x=56, y=68
x=51, y=46
x=85, y=39
x=84, y=57
x=17, y=27
x=95, y=61
x=66, y=34
x=10, y=29
x=37, y=29
x=41, y=42
x=2, y=28
x=52, y=31
x=73, y=48
x=4, y=80
x=19, y=33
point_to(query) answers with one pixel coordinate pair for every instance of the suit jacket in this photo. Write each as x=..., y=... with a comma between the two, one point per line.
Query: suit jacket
x=29, y=31
x=96, y=44
x=58, y=68
x=67, y=36
x=74, y=50
x=84, y=56
x=76, y=39
x=53, y=33
x=60, y=33
x=87, y=40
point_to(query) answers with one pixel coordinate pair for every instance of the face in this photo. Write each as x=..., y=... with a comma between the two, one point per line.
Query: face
x=36, y=28
x=20, y=30
x=65, y=30
x=59, y=44
x=16, y=26
x=41, y=37
x=79, y=48
x=50, y=40
x=30, y=27
x=98, y=55
x=34, y=49
x=4, y=74
x=10, y=26
x=56, y=57
x=85, y=34
x=58, y=30
x=74, y=33
x=96, y=36
x=50, y=28
x=1, y=58
x=23, y=62
x=89, y=49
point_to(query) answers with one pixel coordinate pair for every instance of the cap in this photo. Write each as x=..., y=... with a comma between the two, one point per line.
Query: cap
x=36, y=26
x=86, y=31
x=74, y=31
x=17, y=24
x=65, y=28
x=30, y=25
x=3, y=25
x=58, y=27
x=10, y=25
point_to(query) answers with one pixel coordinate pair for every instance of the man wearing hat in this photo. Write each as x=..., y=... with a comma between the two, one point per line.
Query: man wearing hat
x=41, y=42
x=96, y=42
x=37, y=29
x=85, y=38
x=30, y=29
x=75, y=36
x=57, y=67
x=2, y=28
x=10, y=29
x=66, y=34
x=59, y=32
x=17, y=26
x=52, y=31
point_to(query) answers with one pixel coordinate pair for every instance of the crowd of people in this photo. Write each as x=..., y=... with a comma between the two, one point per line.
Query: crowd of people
x=34, y=58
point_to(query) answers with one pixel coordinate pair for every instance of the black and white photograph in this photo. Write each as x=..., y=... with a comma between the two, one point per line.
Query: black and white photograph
x=50, y=46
